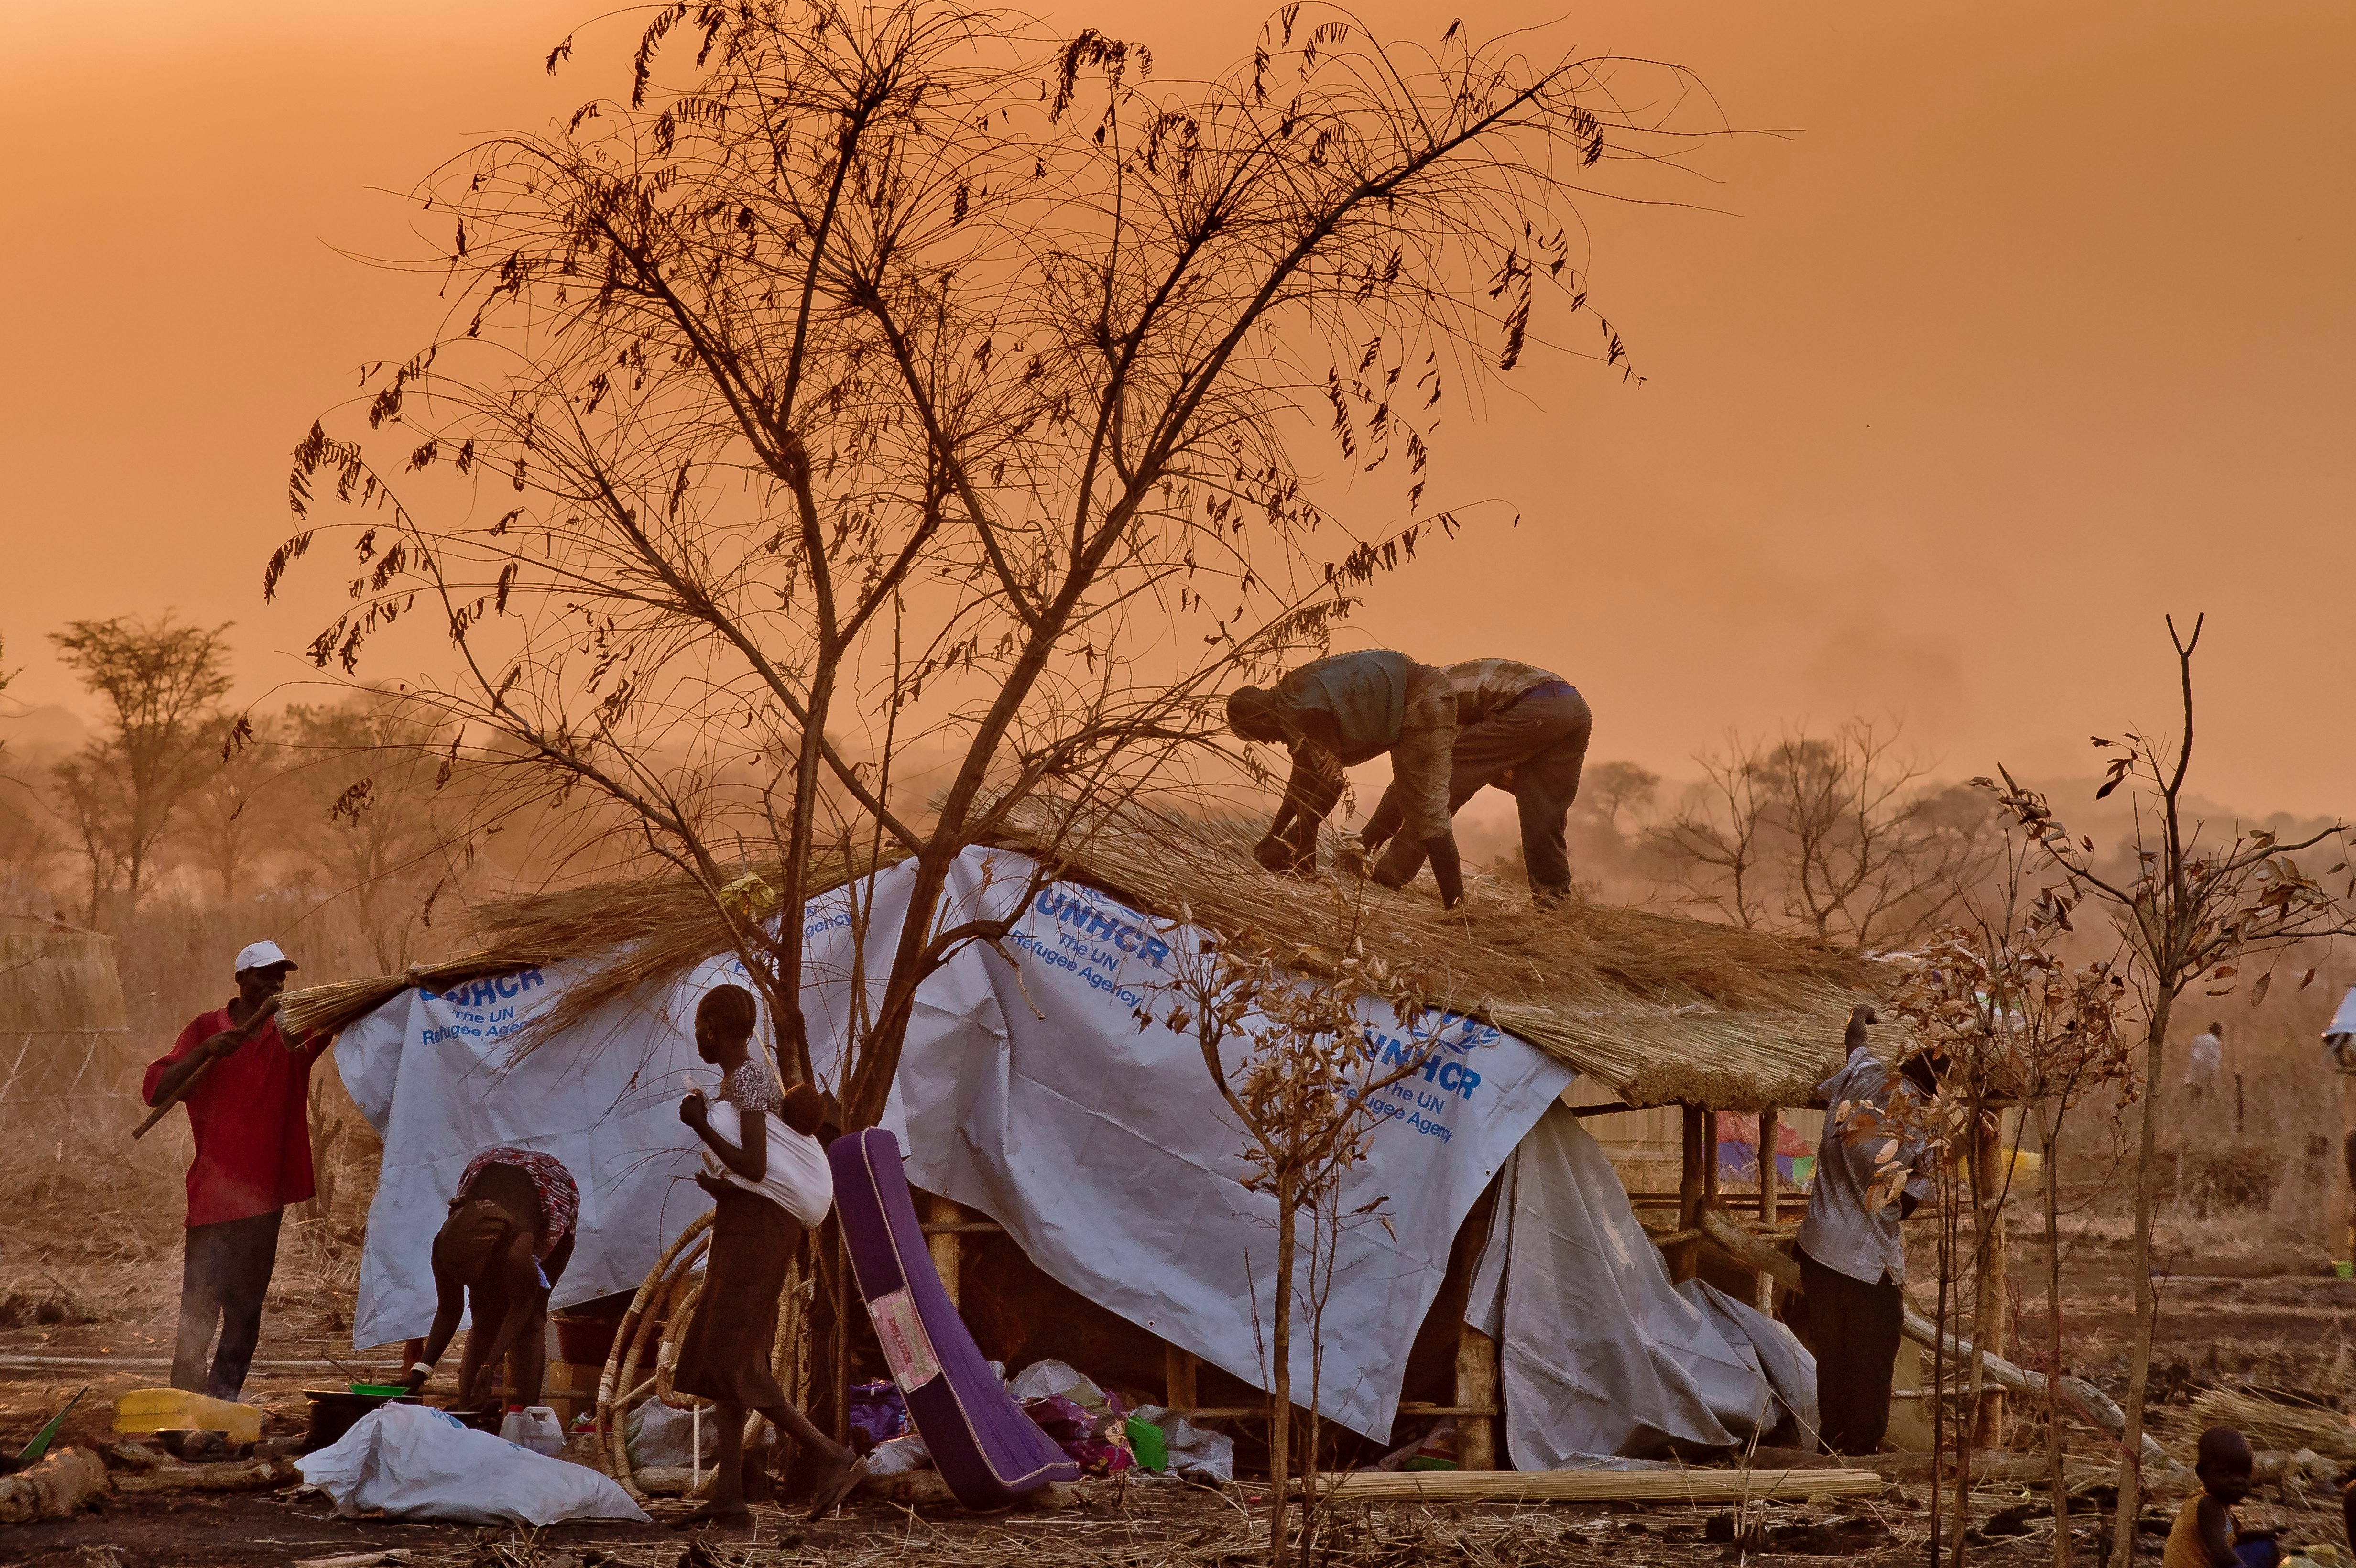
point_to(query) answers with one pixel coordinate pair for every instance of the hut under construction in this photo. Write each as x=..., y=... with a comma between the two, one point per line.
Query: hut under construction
x=1656, y=1013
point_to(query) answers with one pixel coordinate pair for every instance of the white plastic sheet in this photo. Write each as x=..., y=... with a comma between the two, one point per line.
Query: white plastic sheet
x=1599, y=1352
x=411, y=1463
x=1027, y=1091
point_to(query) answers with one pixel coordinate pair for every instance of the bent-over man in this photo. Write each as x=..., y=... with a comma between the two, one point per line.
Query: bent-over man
x=1524, y=730
x=1334, y=713
x=1851, y=1252
x=247, y=1093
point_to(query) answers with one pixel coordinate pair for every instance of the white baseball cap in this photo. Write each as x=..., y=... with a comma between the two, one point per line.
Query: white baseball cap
x=263, y=955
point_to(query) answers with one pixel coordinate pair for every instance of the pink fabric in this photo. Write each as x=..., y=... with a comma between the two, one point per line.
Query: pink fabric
x=559, y=1199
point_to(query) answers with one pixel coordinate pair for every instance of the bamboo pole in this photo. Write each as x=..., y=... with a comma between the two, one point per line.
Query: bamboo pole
x=2089, y=1403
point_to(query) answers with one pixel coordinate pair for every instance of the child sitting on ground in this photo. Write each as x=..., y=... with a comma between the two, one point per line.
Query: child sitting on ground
x=2206, y=1534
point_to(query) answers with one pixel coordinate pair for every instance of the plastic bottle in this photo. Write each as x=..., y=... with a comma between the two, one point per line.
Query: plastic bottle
x=535, y=1428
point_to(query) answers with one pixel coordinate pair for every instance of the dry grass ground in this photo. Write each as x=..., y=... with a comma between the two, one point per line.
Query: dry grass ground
x=90, y=1267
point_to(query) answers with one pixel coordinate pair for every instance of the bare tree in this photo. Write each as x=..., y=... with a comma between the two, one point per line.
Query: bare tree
x=1837, y=835
x=1716, y=840
x=121, y=793
x=884, y=389
x=1867, y=851
x=2192, y=911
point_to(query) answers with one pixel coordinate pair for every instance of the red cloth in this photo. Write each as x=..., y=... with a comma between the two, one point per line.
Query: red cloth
x=251, y=1116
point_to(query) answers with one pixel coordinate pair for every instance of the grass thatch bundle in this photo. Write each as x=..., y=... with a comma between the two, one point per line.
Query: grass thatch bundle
x=57, y=982
x=2269, y=1423
x=1660, y=1007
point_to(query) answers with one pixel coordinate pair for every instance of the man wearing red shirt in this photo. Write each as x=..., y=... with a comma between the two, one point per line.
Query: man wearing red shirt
x=250, y=1115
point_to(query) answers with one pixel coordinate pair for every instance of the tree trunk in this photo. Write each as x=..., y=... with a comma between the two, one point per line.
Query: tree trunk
x=2122, y=1526
x=2053, y=1445
x=1279, y=1419
x=1990, y=1180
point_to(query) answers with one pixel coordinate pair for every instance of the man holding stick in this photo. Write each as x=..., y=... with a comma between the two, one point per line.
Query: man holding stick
x=248, y=1090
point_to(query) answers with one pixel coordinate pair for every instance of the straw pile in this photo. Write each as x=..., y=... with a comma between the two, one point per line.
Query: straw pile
x=2269, y=1425
x=1659, y=1007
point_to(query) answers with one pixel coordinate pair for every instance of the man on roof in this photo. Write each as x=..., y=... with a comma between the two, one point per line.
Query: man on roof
x=1334, y=713
x=1524, y=730
x=247, y=1093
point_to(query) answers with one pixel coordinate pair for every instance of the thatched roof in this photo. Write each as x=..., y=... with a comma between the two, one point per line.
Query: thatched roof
x=1660, y=1007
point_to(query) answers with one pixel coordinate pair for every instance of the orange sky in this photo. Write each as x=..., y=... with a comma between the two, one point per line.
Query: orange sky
x=2038, y=325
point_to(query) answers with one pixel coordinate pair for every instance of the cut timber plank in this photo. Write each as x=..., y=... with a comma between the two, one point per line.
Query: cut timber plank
x=1603, y=1486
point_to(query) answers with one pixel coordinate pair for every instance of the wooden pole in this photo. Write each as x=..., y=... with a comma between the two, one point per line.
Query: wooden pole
x=1768, y=1191
x=1689, y=1190
x=947, y=1247
x=1476, y=1389
x=1178, y=1378
x=245, y=1032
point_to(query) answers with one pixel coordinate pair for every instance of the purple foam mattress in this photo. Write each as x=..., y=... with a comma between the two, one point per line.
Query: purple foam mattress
x=988, y=1450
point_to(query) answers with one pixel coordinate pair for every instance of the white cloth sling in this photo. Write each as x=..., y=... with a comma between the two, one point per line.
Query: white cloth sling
x=797, y=1180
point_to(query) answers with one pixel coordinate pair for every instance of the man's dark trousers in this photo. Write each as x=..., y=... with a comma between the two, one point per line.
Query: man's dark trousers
x=223, y=1277
x=1542, y=740
x=1853, y=1328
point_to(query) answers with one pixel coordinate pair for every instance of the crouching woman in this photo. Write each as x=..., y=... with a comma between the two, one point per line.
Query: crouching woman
x=769, y=1182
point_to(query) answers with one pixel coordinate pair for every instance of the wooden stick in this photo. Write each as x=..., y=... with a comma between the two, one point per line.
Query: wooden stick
x=245, y=1032
x=1602, y=1486
x=1476, y=1385
x=1770, y=1134
x=2090, y=1402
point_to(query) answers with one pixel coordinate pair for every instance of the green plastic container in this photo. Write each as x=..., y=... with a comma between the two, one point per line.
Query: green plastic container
x=1146, y=1442
x=380, y=1391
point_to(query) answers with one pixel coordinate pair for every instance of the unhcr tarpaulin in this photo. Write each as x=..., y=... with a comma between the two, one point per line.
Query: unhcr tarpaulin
x=1599, y=1352
x=1027, y=1091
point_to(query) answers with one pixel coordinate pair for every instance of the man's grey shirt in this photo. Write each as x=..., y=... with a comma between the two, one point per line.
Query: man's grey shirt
x=1844, y=1230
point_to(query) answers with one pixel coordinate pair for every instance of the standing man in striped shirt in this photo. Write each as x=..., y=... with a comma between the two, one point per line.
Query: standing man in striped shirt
x=1524, y=731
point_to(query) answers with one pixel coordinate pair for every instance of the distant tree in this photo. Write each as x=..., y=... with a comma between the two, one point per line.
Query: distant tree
x=1607, y=789
x=232, y=816
x=1836, y=836
x=1715, y=840
x=121, y=793
x=361, y=782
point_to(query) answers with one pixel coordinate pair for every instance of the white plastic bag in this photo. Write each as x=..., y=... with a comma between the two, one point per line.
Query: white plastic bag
x=534, y=1427
x=413, y=1463
x=899, y=1455
x=1195, y=1454
x=798, y=1179
x=1040, y=1379
x=661, y=1437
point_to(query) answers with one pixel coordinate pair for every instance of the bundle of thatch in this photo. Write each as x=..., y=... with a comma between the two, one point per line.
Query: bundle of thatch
x=1660, y=1007
x=2270, y=1424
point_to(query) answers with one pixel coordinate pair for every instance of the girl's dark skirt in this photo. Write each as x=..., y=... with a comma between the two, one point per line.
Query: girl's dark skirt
x=724, y=1353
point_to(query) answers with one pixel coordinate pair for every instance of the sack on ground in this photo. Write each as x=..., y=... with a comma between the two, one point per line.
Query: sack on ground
x=409, y=1462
